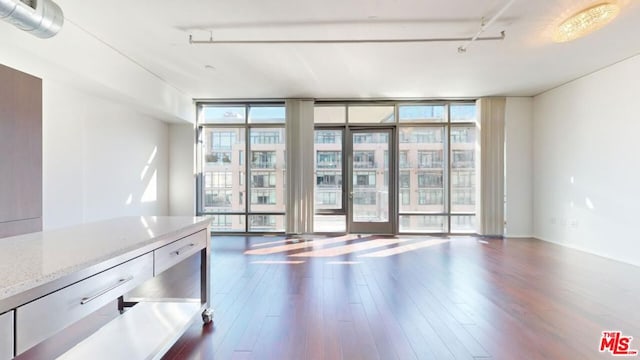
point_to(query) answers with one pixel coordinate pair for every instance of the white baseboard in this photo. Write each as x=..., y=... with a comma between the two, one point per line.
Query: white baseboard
x=518, y=236
x=588, y=251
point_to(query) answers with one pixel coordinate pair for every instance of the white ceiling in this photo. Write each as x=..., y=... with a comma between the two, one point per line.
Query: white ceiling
x=154, y=34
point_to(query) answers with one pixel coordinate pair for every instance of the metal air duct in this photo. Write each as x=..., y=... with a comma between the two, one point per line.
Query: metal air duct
x=42, y=18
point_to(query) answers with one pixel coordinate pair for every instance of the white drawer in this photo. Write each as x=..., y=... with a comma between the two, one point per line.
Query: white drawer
x=6, y=336
x=169, y=255
x=40, y=319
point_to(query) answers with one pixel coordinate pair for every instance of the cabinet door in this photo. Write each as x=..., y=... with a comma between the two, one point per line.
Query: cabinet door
x=43, y=318
x=6, y=336
x=20, y=152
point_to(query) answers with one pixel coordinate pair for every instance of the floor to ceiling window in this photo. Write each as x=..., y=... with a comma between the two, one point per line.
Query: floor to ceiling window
x=242, y=166
x=432, y=163
x=437, y=147
x=463, y=167
x=401, y=167
x=330, y=196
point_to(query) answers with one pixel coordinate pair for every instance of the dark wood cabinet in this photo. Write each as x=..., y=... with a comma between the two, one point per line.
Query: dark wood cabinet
x=20, y=152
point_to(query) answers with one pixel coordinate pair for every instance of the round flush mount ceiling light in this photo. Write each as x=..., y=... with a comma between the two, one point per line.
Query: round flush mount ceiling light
x=586, y=21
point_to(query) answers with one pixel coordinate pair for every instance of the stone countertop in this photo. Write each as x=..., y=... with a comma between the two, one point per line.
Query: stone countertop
x=31, y=260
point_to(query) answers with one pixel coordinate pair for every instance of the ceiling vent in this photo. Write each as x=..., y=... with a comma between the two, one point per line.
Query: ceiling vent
x=42, y=18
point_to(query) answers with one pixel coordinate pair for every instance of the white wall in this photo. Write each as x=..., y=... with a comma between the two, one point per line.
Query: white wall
x=75, y=57
x=518, y=167
x=182, y=188
x=586, y=192
x=101, y=159
x=106, y=147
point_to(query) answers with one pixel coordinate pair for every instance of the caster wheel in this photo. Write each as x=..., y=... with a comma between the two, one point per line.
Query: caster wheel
x=207, y=316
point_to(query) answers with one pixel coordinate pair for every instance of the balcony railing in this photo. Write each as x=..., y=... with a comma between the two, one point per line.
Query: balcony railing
x=430, y=165
x=463, y=164
x=364, y=165
x=328, y=165
x=215, y=159
x=329, y=186
x=261, y=185
x=263, y=165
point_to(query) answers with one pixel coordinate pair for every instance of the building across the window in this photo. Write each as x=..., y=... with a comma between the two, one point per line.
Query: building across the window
x=243, y=181
x=435, y=164
x=243, y=165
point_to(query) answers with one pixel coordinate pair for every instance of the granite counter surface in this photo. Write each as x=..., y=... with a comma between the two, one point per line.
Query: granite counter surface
x=31, y=260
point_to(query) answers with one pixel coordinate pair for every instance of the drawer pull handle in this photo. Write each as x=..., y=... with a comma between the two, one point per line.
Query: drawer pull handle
x=183, y=249
x=104, y=291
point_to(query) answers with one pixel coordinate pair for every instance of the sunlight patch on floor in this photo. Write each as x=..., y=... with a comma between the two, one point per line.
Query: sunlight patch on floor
x=342, y=245
x=405, y=248
x=300, y=245
x=347, y=249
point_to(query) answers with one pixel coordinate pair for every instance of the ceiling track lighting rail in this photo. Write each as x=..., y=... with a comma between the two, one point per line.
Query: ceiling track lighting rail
x=468, y=40
x=212, y=41
x=484, y=26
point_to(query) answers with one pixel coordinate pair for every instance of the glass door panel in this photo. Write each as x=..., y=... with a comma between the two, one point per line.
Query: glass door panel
x=370, y=195
x=330, y=214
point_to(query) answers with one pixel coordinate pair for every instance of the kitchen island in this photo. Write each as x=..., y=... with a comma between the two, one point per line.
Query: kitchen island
x=50, y=280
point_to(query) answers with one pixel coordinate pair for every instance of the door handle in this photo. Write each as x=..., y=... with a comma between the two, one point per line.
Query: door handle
x=351, y=195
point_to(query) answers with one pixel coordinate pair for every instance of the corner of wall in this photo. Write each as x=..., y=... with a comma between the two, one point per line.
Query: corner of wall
x=182, y=170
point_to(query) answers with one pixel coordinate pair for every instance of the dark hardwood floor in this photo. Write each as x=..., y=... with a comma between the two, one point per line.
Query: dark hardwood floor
x=411, y=298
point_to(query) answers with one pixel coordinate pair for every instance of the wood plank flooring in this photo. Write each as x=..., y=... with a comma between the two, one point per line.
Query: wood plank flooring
x=411, y=298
